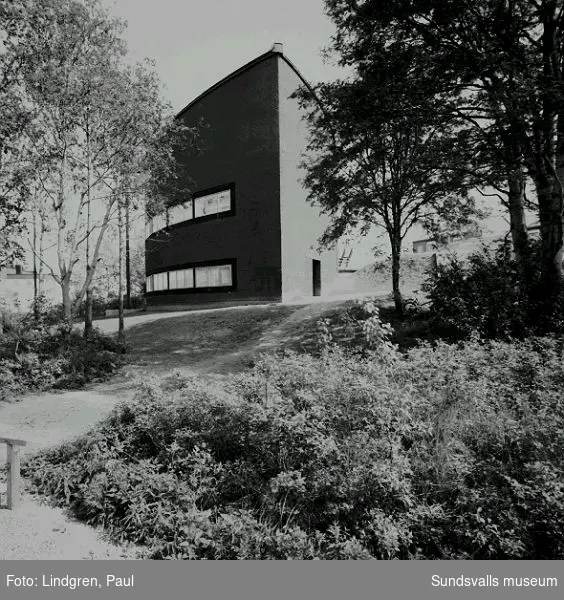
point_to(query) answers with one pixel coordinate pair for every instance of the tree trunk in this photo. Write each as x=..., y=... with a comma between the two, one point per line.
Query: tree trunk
x=396, y=262
x=127, y=258
x=42, y=230
x=121, y=326
x=552, y=239
x=519, y=233
x=556, y=235
x=550, y=288
x=88, y=317
x=548, y=166
x=35, y=273
x=67, y=302
x=88, y=303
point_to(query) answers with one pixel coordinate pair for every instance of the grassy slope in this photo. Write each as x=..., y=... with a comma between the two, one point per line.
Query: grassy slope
x=227, y=341
x=223, y=341
x=212, y=343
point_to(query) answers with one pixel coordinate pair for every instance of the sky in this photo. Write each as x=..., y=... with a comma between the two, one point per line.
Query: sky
x=195, y=44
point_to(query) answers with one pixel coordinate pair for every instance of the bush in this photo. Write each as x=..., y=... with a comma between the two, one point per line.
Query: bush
x=83, y=360
x=98, y=307
x=35, y=354
x=357, y=329
x=497, y=413
x=43, y=312
x=137, y=302
x=450, y=452
x=484, y=295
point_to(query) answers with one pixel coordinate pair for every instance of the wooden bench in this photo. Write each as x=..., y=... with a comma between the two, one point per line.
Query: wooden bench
x=13, y=461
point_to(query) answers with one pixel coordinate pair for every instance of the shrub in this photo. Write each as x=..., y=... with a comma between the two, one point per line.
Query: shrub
x=35, y=354
x=43, y=312
x=137, y=302
x=357, y=329
x=83, y=360
x=98, y=307
x=484, y=295
x=497, y=412
x=448, y=452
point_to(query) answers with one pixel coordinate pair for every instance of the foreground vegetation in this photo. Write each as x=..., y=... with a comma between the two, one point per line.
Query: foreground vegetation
x=353, y=448
x=450, y=451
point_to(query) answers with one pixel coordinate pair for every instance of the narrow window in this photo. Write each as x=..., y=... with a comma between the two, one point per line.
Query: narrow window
x=202, y=277
x=183, y=278
x=180, y=213
x=160, y=282
x=225, y=275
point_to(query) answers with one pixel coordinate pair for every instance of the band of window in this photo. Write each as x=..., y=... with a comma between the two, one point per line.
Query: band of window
x=201, y=206
x=216, y=276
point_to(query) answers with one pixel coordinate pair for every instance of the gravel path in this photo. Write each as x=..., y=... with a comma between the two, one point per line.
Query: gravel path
x=35, y=531
x=38, y=532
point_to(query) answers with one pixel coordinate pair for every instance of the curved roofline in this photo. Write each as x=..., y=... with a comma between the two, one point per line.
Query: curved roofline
x=303, y=79
x=245, y=68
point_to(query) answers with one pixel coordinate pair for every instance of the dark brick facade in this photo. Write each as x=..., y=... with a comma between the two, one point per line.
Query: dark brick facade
x=240, y=147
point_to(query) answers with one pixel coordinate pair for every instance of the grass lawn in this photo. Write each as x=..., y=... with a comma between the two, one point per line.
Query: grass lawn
x=228, y=341
x=223, y=341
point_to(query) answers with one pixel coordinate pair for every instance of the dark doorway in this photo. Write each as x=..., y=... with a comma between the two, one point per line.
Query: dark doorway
x=316, y=264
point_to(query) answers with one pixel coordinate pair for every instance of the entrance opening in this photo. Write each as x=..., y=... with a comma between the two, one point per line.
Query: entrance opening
x=316, y=267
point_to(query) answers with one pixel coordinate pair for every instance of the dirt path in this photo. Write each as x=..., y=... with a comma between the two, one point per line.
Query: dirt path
x=49, y=418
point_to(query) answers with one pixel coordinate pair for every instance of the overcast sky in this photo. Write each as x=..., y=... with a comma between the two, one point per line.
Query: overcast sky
x=195, y=44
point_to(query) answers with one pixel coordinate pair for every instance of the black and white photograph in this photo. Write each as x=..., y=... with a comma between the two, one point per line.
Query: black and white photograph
x=281, y=281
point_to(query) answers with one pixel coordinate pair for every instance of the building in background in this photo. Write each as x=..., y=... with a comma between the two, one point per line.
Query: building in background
x=432, y=245
x=247, y=233
x=466, y=243
x=17, y=287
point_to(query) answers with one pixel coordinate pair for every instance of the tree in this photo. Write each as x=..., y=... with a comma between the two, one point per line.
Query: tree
x=502, y=61
x=139, y=143
x=71, y=41
x=36, y=238
x=15, y=54
x=121, y=323
x=376, y=159
x=96, y=122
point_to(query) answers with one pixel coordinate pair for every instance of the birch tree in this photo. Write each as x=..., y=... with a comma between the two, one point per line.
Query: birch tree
x=97, y=118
